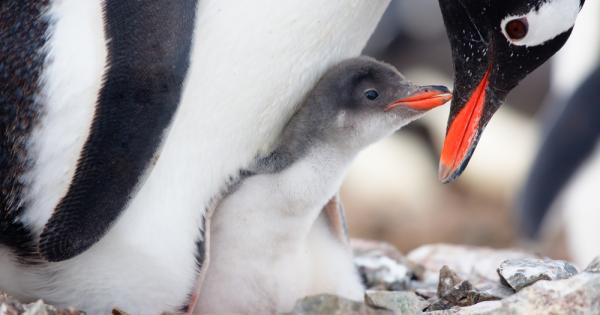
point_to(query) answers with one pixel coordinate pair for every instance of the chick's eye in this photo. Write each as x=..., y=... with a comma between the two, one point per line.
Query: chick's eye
x=517, y=29
x=371, y=94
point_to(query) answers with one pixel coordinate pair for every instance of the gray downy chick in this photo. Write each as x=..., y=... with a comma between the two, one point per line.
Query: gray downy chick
x=270, y=245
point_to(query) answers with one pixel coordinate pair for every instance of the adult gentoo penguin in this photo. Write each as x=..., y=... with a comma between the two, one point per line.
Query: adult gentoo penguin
x=292, y=254
x=123, y=119
x=495, y=44
x=113, y=146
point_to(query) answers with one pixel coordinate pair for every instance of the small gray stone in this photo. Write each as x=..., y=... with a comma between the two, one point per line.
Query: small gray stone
x=382, y=267
x=579, y=294
x=520, y=273
x=36, y=308
x=332, y=305
x=494, y=289
x=11, y=306
x=594, y=266
x=405, y=303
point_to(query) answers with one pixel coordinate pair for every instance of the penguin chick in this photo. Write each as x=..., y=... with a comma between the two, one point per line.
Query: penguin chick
x=270, y=245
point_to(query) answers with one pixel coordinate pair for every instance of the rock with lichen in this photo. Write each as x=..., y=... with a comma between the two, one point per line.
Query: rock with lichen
x=523, y=272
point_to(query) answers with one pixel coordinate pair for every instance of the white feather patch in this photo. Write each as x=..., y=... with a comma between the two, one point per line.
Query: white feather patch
x=71, y=81
x=550, y=20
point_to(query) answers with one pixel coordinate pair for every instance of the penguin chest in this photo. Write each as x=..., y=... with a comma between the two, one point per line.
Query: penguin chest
x=251, y=64
x=245, y=79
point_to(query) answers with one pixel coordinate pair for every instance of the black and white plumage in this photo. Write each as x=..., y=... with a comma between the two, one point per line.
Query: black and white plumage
x=148, y=51
x=269, y=237
x=120, y=117
x=495, y=44
x=250, y=64
x=565, y=175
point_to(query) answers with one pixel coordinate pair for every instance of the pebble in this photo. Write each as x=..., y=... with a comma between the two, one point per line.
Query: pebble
x=520, y=273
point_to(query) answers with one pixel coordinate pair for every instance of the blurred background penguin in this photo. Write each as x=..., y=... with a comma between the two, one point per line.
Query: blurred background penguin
x=514, y=191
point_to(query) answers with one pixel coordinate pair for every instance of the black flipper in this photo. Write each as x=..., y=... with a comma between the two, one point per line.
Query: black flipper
x=149, y=43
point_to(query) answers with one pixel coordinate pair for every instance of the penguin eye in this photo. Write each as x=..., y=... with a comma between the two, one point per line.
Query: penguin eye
x=371, y=94
x=517, y=29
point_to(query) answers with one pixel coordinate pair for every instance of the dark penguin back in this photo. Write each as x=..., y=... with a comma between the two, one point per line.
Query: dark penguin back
x=23, y=30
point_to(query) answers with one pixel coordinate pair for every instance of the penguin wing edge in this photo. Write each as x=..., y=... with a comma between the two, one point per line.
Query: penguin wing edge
x=149, y=44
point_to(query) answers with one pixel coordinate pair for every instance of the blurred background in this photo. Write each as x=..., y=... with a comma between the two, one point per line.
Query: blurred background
x=534, y=179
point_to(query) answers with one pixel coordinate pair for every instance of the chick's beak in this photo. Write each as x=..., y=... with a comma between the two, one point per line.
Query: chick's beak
x=424, y=98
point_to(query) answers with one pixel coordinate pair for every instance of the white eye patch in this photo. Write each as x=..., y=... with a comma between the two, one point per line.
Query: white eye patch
x=553, y=18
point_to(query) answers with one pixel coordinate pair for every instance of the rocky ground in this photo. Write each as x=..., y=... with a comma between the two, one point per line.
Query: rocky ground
x=445, y=279
x=439, y=280
x=10, y=306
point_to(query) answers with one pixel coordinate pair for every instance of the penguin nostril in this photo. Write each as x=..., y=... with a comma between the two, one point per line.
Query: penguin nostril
x=517, y=29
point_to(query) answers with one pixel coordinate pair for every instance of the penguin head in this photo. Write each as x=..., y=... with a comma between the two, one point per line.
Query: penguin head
x=362, y=100
x=495, y=44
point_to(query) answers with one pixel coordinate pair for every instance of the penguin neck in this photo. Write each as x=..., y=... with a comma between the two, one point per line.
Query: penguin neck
x=297, y=147
x=321, y=170
x=331, y=158
x=306, y=186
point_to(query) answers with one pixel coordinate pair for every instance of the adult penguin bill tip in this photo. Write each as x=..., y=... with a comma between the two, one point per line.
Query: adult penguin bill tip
x=495, y=44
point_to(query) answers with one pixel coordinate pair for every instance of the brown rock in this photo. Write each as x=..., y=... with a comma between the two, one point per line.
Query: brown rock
x=454, y=291
x=447, y=281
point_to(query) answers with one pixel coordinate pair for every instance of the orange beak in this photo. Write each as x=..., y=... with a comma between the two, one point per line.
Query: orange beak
x=463, y=133
x=425, y=99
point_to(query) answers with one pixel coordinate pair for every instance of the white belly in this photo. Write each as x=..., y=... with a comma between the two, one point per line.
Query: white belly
x=252, y=62
x=270, y=277
x=269, y=245
x=581, y=210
